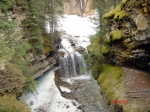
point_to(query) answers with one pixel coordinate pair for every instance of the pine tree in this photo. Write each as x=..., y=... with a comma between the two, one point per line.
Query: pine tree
x=97, y=41
x=54, y=9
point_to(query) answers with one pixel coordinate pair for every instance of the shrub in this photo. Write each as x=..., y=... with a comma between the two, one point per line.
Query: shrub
x=11, y=104
x=11, y=80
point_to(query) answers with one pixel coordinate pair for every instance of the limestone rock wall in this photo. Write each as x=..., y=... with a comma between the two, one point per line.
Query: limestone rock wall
x=131, y=46
x=78, y=7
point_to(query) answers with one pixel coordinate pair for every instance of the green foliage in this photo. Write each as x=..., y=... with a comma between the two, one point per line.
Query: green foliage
x=20, y=57
x=95, y=56
x=33, y=25
x=4, y=25
x=94, y=48
x=5, y=5
x=6, y=53
x=11, y=80
x=104, y=49
x=46, y=42
x=96, y=69
x=116, y=34
x=107, y=40
x=11, y=104
x=54, y=10
x=109, y=78
x=16, y=51
x=98, y=47
x=30, y=85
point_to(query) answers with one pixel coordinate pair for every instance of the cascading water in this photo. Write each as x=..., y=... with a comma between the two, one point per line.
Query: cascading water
x=72, y=63
x=72, y=66
x=81, y=4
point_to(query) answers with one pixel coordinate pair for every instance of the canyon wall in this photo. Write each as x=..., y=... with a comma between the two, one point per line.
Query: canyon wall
x=78, y=7
x=128, y=33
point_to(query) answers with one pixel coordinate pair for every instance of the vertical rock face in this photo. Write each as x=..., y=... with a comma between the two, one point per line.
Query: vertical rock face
x=133, y=19
x=78, y=7
x=88, y=10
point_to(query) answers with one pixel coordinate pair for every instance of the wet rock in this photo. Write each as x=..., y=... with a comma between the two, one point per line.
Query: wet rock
x=81, y=50
x=31, y=103
x=67, y=106
x=79, y=107
x=61, y=53
x=74, y=103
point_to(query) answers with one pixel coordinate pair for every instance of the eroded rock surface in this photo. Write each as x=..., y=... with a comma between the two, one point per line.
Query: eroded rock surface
x=133, y=19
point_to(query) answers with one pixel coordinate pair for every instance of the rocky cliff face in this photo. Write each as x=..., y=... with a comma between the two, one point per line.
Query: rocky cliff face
x=129, y=33
x=78, y=7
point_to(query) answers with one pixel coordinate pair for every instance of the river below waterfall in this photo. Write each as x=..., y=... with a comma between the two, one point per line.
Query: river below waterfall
x=48, y=98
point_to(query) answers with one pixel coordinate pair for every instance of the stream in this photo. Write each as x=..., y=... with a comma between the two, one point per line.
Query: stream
x=76, y=31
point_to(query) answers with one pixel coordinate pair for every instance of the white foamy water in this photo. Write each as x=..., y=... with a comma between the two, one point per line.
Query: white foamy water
x=49, y=98
x=77, y=26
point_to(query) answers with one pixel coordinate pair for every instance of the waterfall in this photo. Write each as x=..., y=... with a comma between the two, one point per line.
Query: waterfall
x=74, y=38
x=72, y=65
x=81, y=4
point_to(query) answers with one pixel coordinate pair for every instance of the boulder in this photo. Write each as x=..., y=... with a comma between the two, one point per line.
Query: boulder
x=81, y=50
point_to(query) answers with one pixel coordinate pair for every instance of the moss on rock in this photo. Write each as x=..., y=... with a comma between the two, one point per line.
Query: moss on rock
x=109, y=78
x=124, y=1
x=120, y=15
x=96, y=50
x=113, y=12
x=104, y=49
x=116, y=34
x=117, y=13
x=107, y=40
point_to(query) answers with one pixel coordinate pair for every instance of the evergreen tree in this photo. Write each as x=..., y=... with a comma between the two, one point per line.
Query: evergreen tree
x=54, y=9
x=96, y=56
x=33, y=26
